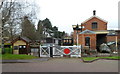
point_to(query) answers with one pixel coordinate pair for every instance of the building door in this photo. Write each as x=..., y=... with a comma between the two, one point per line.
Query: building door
x=22, y=49
x=101, y=38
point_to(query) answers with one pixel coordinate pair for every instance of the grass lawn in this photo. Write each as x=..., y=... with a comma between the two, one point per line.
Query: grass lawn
x=89, y=58
x=112, y=57
x=15, y=57
x=93, y=58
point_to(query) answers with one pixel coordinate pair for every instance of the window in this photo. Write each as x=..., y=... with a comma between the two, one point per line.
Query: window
x=87, y=41
x=67, y=40
x=94, y=25
x=15, y=47
x=70, y=41
x=64, y=41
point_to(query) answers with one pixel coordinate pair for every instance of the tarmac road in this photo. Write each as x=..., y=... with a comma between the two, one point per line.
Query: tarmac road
x=62, y=65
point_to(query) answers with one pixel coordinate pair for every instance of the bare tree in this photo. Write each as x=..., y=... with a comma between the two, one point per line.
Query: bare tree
x=11, y=13
x=12, y=16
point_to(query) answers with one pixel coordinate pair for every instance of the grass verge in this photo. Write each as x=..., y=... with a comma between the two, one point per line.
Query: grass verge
x=15, y=57
x=94, y=58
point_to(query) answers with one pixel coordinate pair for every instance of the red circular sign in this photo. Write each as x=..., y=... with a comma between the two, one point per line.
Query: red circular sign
x=66, y=51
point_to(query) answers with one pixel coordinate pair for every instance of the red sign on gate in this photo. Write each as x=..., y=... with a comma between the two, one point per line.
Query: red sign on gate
x=66, y=51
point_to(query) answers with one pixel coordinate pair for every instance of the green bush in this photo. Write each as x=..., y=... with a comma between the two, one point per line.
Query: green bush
x=16, y=56
x=8, y=50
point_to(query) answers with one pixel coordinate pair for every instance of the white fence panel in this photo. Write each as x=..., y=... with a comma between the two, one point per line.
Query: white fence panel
x=60, y=51
x=73, y=51
x=44, y=51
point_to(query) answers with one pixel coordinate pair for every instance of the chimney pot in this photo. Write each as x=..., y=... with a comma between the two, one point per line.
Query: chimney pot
x=94, y=12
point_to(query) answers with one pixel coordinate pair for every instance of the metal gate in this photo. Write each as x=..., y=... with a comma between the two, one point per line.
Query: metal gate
x=60, y=51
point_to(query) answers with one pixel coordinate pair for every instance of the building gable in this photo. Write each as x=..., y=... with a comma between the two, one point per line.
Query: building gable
x=19, y=42
x=95, y=24
x=21, y=38
x=102, y=20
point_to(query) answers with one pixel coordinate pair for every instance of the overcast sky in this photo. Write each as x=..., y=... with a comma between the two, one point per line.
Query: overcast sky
x=65, y=13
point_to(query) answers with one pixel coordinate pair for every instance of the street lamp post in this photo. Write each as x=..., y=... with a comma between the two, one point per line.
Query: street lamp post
x=77, y=28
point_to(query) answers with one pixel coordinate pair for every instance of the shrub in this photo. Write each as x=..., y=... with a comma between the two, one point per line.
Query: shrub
x=8, y=50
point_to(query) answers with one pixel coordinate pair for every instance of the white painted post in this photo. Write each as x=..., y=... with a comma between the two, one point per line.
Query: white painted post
x=53, y=50
x=80, y=50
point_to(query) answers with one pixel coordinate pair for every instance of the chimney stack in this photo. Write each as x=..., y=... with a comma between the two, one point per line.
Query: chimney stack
x=94, y=12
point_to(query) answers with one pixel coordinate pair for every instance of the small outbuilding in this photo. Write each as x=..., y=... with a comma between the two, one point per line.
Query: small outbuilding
x=21, y=45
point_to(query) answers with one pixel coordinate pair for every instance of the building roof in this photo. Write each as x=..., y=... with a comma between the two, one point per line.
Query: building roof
x=101, y=32
x=93, y=17
x=22, y=38
x=26, y=39
x=87, y=32
x=112, y=33
x=117, y=30
x=94, y=32
x=7, y=43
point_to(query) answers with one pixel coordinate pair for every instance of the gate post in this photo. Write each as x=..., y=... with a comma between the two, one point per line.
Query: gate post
x=51, y=51
x=80, y=50
x=39, y=51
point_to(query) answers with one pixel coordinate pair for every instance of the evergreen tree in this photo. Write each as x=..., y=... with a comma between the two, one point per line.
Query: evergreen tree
x=47, y=23
x=55, y=28
x=28, y=29
x=46, y=26
x=40, y=30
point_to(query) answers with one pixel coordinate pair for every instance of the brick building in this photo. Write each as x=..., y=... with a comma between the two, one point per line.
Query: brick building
x=92, y=33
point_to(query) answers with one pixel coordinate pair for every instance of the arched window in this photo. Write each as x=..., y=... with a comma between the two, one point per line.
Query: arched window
x=87, y=41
